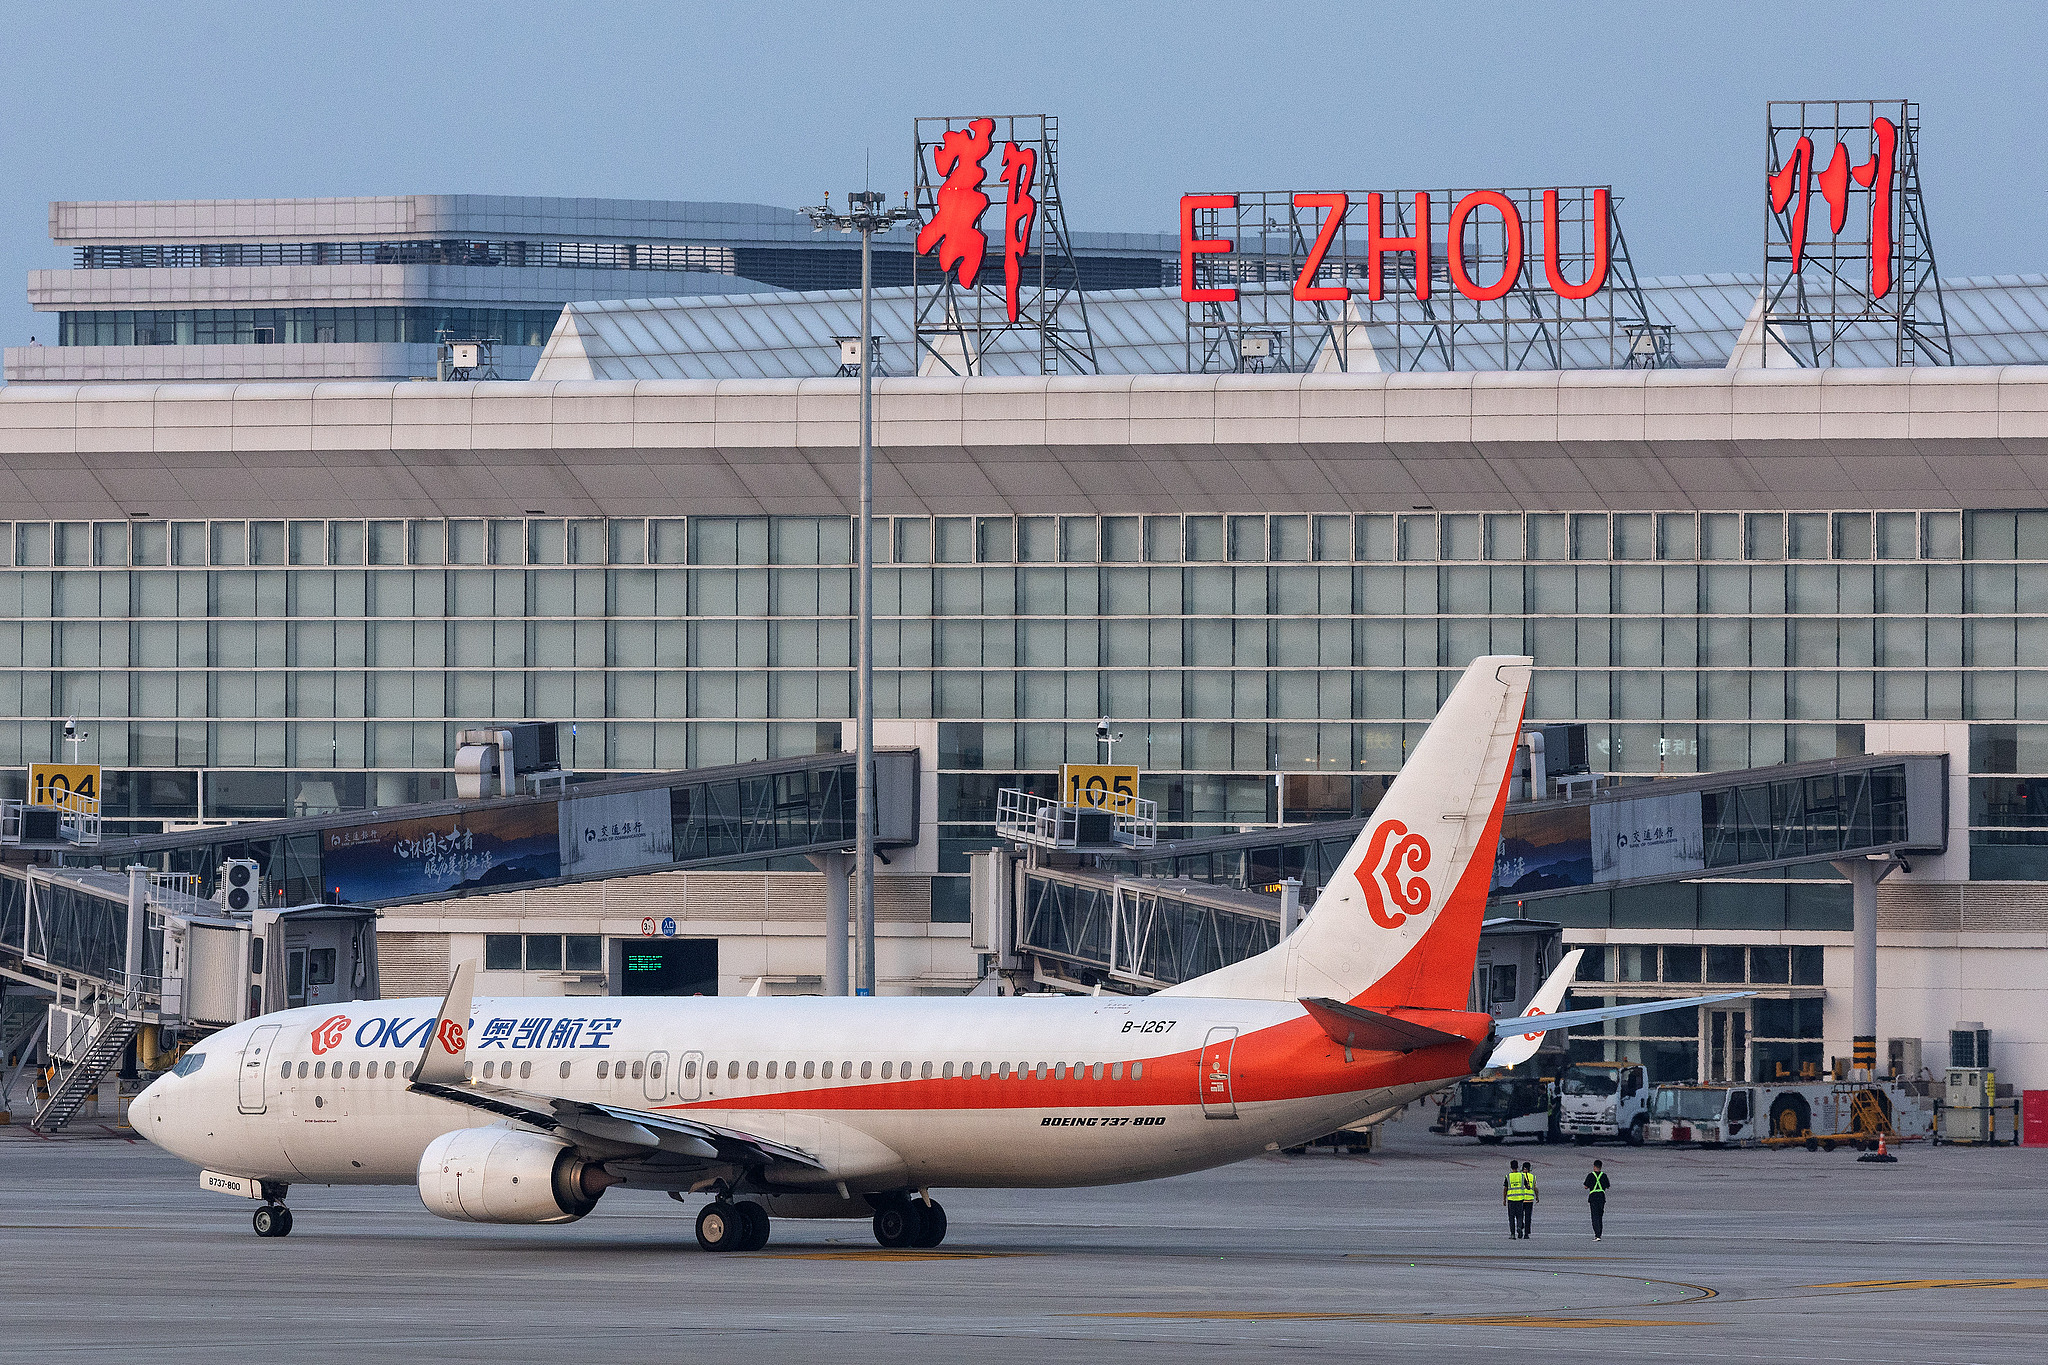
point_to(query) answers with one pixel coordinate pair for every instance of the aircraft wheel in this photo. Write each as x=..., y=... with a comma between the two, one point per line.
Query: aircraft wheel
x=934, y=1223
x=1637, y=1133
x=721, y=1227
x=284, y=1216
x=754, y=1225
x=899, y=1223
x=271, y=1221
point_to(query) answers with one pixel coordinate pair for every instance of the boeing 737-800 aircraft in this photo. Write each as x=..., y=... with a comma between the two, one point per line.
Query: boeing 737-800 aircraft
x=528, y=1110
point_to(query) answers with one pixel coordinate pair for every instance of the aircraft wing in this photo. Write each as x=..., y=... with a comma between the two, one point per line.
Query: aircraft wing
x=443, y=1071
x=1511, y=1033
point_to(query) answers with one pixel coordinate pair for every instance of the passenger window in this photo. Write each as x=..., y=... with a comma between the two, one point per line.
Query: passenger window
x=753, y=1070
x=639, y=1071
x=285, y=1072
x=690, y=1070
x=654, y=1070
x=603, y=1068
x=984, y=1070
x=1098, y=1071
x=407, y=1072
x=810, y=1070
x=1004, y=1071
x=732, y=1071
x=867, y=1070
x=789, y=1070
x=391, y=1071
x=525, y=1070
x=468, y=1070
x=949, y=1071
x=319, y=1070
x=355, y=1069
x=302, y=1071
x=887, y=1067
x=925, y=1072
x=904, y=1071
x=1116, y=1071
x=565, y=1071
x=846, y=1071
x=771, y=1070
x=1137, y=1071
x=490, y=1070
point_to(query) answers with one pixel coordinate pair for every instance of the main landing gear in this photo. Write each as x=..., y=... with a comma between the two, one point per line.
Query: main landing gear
x=902, y=1221
x=273, y=1220
x=732, y=1225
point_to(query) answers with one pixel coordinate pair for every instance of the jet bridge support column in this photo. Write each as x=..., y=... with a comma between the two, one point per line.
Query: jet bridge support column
x=836, y=867
x=1864, y=874
x=138, y=925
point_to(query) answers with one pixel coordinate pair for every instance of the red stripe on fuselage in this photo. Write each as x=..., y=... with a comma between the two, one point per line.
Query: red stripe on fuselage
x=1288, y=1061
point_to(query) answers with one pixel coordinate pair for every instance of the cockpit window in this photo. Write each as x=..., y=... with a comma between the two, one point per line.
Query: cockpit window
x=189, y=1063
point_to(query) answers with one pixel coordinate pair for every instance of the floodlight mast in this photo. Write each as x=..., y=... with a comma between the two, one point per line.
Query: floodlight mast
x=866, y=215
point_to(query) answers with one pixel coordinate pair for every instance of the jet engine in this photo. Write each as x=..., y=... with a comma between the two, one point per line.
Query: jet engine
x=507, y=1175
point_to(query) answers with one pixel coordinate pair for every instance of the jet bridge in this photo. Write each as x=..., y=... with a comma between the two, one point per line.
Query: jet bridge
x=1144, y=919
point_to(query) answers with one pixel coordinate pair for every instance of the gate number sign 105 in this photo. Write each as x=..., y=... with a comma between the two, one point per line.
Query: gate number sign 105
x=1098, y=786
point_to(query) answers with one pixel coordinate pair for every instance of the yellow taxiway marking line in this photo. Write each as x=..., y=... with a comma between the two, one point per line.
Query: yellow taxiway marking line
x=888, y=1255
x=1935, y=1284
x=1441, y=1320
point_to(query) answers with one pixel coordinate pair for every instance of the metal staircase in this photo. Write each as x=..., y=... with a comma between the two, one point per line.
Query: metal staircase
x=103, y=1053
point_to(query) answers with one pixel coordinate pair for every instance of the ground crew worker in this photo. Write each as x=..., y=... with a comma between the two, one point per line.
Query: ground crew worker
x=1510, y=1189
x=1596, y=1197
x=1529, y=1189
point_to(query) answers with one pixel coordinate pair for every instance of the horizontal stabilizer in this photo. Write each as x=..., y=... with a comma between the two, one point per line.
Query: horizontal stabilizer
x=1373, y=1032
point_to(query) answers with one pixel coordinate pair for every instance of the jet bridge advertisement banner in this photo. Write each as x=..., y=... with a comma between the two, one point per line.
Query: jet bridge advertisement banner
x=1647, y=836
x=467, y=851
x=1545, y=850
x=617, y=832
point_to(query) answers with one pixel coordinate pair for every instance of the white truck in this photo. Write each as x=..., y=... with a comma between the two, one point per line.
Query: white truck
x=1603, y=1100
x=1711, y=1115
x=1495, y=1110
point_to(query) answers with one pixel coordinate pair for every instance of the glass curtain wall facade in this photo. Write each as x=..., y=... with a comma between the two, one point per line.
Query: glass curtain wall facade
x=272, y=667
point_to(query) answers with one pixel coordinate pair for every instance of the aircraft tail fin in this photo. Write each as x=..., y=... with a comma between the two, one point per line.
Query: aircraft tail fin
x=1397, y=926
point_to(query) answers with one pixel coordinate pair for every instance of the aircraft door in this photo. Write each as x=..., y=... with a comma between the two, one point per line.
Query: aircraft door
x=255, y=1066
x=1218, y=1102
x=687, y=1082
x=657, y=1075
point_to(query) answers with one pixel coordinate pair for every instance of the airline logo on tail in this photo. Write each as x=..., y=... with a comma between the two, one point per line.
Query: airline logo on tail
x=1379, y=875
x=450, y=1036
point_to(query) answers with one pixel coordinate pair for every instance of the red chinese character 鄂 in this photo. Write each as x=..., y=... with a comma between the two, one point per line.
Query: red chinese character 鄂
x=954, y=227
x=1020, y=164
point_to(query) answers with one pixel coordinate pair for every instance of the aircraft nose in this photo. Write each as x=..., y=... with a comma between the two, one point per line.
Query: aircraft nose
x=143, y=1112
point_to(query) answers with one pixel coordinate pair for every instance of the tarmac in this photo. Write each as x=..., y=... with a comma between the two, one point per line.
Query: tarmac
x=113, y=1253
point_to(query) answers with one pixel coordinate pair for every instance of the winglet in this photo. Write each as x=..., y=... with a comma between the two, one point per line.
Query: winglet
x=445, y=1060
x=1516, y=1048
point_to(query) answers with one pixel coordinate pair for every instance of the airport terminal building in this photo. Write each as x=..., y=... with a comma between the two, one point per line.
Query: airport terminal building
x=271, y=599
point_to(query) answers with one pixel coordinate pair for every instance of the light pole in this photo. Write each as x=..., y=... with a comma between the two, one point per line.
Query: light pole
x=866, y=215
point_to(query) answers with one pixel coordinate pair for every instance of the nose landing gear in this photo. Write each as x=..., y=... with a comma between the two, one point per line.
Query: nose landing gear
x=273, y=1220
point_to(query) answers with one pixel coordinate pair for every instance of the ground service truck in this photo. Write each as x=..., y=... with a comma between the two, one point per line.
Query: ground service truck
x=1496, y=1110
x=1603, y=1100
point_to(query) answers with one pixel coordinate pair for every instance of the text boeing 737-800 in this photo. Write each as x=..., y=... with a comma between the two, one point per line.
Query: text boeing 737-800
x=527, y=1110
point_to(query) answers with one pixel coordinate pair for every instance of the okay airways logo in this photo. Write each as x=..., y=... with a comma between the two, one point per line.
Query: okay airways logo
x=329, y=1033
x=1392, y=850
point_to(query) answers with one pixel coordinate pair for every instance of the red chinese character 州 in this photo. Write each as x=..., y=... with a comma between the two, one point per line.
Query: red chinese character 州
x=1020, y=165
x=1793, y=181
x=954, y=227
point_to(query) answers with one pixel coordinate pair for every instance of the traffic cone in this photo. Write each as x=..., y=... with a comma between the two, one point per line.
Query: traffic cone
x=1881, y=1154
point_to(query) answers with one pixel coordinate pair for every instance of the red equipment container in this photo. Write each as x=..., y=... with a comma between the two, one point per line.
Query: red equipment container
x=2034, y=1118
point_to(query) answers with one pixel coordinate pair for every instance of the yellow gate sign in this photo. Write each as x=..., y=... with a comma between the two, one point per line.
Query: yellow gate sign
x=1098, y=786
x=73, y=786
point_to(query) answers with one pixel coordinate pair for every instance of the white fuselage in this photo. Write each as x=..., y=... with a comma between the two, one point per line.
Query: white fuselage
x=888, y=1093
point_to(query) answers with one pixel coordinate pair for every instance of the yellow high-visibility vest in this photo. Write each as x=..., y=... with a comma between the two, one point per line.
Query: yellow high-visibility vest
x=1521, y=1187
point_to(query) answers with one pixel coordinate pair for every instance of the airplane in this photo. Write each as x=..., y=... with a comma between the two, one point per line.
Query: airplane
x=527, y=1110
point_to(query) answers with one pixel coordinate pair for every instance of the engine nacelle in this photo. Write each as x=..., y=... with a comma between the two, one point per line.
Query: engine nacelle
x=507, y=1175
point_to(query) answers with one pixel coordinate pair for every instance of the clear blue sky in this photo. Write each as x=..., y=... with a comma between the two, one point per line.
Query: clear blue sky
x=776, y=103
